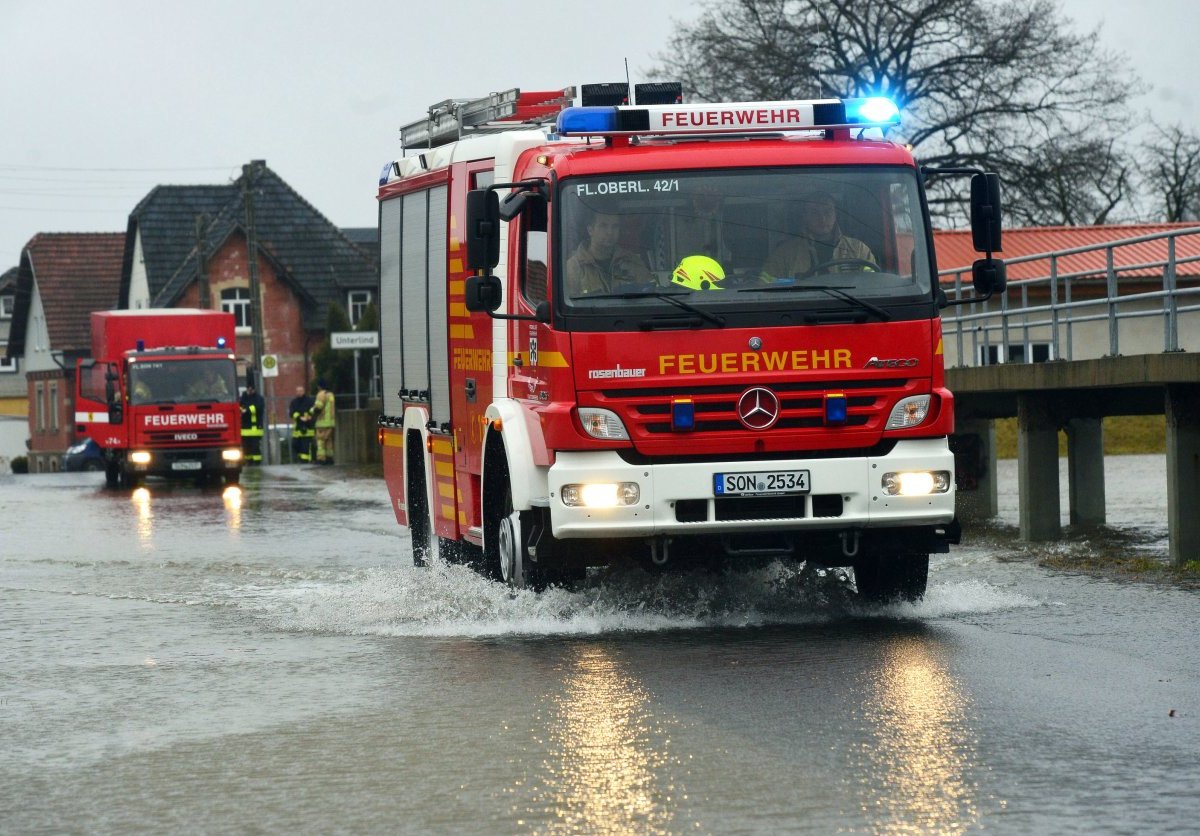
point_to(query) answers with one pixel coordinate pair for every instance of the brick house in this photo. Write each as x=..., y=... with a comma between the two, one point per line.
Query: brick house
x=304, y=265
x=62, y=278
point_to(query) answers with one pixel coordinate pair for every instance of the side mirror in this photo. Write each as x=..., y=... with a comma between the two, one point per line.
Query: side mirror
x=483, y=293
x=483, y=230
x=985, y=212
x=989, y=275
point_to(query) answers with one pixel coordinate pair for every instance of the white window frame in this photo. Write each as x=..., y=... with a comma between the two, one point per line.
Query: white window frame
x=238, y=304
x=7, y=365
x=39, y=392
x=8, y=303
x=54, y=406
x=356, y=306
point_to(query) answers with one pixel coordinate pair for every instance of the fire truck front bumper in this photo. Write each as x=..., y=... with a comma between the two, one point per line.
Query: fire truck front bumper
x=183, y=461
x=600, y=495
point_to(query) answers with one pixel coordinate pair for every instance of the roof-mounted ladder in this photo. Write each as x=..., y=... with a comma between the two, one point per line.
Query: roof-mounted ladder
x=453, y=119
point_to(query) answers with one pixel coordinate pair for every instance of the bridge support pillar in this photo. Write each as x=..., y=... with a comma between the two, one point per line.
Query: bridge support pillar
x=1037, y=469
x=974, y=446
x=1183, y=472
x=1085, y=470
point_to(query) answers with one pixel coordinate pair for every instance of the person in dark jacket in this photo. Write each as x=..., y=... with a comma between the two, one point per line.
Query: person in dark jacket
x=303, y=425
x=254, y=415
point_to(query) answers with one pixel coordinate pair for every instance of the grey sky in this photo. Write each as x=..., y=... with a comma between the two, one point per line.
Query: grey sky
x=100, y=101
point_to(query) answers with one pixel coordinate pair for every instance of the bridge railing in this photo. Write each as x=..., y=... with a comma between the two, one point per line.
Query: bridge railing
x=1055, y=297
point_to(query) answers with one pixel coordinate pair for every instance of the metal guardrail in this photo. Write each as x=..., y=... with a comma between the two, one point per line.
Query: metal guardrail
x=993, y=322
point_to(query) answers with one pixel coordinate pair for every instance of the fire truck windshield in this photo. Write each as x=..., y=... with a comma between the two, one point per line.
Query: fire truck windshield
x=719, y=240
x=191, y=380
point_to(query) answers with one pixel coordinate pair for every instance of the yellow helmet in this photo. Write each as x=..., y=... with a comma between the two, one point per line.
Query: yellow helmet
x=699, y=272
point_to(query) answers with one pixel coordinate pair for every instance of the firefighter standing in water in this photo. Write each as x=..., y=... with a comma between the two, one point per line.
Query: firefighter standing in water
x=254, y=410
x=325, y=413
x=302, y=425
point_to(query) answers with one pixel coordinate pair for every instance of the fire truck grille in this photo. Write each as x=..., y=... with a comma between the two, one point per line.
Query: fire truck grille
x=647, y=412
x=183, y=438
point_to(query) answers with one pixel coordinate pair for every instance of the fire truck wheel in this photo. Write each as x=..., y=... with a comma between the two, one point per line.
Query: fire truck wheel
x=883, y=579
x=510, y=542
x=112, y=475
x=233, y=477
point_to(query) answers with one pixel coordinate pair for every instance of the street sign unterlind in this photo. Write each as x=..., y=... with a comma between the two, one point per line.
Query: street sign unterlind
x=270, y=365
x=354, y=339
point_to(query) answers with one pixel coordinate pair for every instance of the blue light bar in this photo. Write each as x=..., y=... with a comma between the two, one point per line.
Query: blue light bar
x=875, y=110
x=683, y=415
x=835, y=408
x=586, y=121
x=220, y=342
x=385, y=173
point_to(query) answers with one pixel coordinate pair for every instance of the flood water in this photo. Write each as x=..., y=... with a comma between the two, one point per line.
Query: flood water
x=268, y=659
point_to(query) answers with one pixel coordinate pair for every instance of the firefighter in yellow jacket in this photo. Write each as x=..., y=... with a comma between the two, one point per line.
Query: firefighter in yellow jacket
x=325, y=412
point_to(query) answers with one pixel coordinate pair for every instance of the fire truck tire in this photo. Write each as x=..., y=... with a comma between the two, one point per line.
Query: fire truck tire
x=884, y=579
x=512, y=540
x=419, y=529
x=112, y=475
x=233, y=477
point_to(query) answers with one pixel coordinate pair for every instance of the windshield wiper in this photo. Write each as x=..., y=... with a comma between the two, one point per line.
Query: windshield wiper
x=667, y=296
x=836, y=291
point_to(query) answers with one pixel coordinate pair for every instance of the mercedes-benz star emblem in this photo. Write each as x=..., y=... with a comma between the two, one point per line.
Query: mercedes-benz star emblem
x=758, y=408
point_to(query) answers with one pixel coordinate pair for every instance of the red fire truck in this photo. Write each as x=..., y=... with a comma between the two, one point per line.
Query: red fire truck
x=159, y=395
x=686, y=333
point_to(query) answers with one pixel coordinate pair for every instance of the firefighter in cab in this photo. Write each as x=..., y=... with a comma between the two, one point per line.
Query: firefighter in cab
x=303, y=425
x=254, y=411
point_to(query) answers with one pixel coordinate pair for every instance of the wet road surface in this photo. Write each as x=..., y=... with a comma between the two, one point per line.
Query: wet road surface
x=268, y=659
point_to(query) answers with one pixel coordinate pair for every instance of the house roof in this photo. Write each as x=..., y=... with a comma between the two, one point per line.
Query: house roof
x=8, y=280
x=76, y=273
x=306, y=250
x=955, y=252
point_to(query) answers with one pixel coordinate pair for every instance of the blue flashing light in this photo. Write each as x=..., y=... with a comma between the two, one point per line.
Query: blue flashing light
x=683, y=415
x=875, y=110
x=141, y=345
x=385, y=173
x=587, y=121
x=835, y=409
x=220, y=342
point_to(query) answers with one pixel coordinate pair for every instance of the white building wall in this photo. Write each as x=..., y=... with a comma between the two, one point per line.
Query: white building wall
x=139, y=284
x=37, y=337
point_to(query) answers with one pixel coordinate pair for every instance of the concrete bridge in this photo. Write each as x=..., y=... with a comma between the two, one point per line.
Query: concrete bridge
x=1148, y=369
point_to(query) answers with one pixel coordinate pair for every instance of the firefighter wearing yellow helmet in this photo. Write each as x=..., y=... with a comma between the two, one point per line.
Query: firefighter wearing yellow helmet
x=699, y=272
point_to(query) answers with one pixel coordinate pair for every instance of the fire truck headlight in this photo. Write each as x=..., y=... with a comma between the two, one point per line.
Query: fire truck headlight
x=140, y=457
x=918, y=483
x=232, y=455
x=909, y=412
x=602, y=423
x=603, y=495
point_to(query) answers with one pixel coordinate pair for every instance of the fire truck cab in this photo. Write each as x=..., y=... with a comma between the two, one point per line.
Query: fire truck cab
x=679, y=333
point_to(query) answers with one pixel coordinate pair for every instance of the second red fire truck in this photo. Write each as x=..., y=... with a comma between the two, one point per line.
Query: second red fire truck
x=159, y=395
x=678, y=333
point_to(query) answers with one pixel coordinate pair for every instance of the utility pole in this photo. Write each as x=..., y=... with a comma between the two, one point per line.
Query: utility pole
x=202, y=262
x=249, y=170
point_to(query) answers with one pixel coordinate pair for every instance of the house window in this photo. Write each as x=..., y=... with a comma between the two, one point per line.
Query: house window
x=39, y=400
x=7, y=303
x=236, y=300
x=359, y=299
x=53, y=407
x=7, y=365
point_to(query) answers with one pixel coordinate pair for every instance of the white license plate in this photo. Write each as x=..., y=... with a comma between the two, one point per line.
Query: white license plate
x=760, y=483
x=186, y=465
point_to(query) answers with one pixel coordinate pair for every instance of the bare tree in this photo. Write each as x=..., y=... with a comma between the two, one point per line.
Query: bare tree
x=999, y=84
x=1171, y=172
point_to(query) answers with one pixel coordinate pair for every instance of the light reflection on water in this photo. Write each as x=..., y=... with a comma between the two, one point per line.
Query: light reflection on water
x=232, y=497
x=607, y=752
x=145, y=517
x=923, y=748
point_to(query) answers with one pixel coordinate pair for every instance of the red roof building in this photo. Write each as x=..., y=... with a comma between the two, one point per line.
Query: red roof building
x=62, y=278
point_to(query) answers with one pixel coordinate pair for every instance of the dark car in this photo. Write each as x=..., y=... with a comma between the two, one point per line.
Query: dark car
x=86, y=455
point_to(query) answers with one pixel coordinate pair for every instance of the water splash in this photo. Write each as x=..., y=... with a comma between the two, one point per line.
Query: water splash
x=448, y=600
